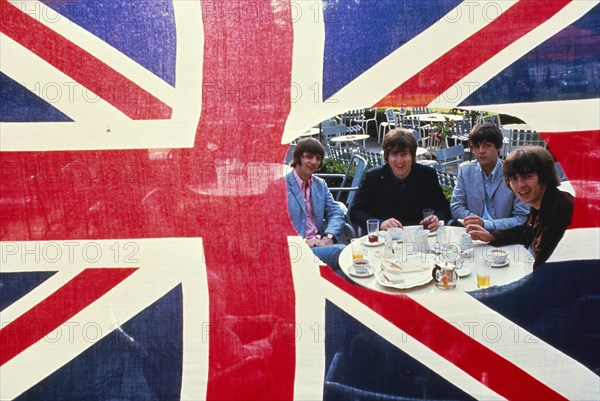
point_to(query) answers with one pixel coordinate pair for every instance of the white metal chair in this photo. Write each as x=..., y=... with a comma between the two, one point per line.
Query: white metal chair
x=389, y=123
x=364, y=121
x=328, y=132
x=412, y=121
x=450, y=158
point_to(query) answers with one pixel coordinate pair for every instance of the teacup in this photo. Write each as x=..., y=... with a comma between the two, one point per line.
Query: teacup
x=421, y=241
x=396, y=233
x=499, y=256
x=466, y=242
x=361, y=266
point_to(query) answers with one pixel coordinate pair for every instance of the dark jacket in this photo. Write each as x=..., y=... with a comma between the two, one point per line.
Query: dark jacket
x=383, y=196
x=544, y=227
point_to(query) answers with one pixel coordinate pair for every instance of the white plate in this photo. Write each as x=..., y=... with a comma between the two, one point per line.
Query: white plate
x=463, y=271
x=415, y=279
x=380, y=241
x=354, y=273
x=501, y=264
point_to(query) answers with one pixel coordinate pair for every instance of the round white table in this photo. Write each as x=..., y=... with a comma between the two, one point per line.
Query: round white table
x=520, y=264
x=438, y=118
x=349, y=138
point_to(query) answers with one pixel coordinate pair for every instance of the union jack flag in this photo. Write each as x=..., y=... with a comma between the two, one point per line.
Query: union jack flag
x=146, y=248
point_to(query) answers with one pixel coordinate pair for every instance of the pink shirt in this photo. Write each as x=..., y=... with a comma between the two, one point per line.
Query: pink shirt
x=310, y=230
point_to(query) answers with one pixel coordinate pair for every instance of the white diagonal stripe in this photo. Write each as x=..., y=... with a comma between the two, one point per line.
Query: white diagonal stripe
x=542, y=361
x=553, y=116
x=579, y=244
x=492, y=67
x=182, y=257
x=97, y=125
x=377, y=81
x=312, y=292
x=53, y=86
x=100, y=49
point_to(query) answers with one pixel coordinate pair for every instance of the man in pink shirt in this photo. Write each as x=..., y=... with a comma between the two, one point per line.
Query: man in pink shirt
x=315, y=215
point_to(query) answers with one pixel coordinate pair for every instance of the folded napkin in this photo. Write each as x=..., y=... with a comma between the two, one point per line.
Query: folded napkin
x=392, y=278
x=407, y=266
x=403, y=280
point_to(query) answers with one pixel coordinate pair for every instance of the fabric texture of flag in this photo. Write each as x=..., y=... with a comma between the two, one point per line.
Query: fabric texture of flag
x=146, y=249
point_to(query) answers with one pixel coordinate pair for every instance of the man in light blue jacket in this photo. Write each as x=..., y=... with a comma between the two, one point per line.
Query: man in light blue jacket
x=481, y=197
x=315, y=215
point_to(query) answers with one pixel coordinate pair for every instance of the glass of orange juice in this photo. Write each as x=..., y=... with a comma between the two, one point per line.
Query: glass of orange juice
x=357, y=249
x=484, y=271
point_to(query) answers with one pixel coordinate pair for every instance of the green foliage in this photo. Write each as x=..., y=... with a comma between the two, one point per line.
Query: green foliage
x=335, y=166
x=447, y=192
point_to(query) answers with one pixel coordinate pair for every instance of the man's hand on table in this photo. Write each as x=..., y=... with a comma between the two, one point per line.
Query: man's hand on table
x=433, y=222
x=390, y=223
x=479, y=233
x=473, y=220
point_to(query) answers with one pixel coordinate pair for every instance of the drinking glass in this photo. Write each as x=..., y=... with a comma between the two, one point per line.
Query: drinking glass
x=484, y=272
x=357, y=249
x=443, y=237
x=426, y=214
x=373, y=230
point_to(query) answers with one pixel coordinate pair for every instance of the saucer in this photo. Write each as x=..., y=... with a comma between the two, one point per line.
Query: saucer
x=354, y=273
x=500, y=264
x=463, y=271
x=380, y=241
x=429, y=234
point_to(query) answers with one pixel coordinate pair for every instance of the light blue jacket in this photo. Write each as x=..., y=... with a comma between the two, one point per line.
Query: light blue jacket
x=468, y=198
x=328, y=214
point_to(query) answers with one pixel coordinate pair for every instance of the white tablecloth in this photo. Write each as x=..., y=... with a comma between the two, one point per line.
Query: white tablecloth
x=520, y=264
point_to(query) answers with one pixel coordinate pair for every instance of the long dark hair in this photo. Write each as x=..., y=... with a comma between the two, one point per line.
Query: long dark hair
x=531, y=159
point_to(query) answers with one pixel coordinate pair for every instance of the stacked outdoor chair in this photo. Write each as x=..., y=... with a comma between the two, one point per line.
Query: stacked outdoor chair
x=364, y=121
x=411, y=122
x=350, y=116
x=373, y=159
x=446, y=179
x=524, y=138
x=399, y=120
x=388, y=124
x=492, y=118
x=343, y=154
x=354, y=130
